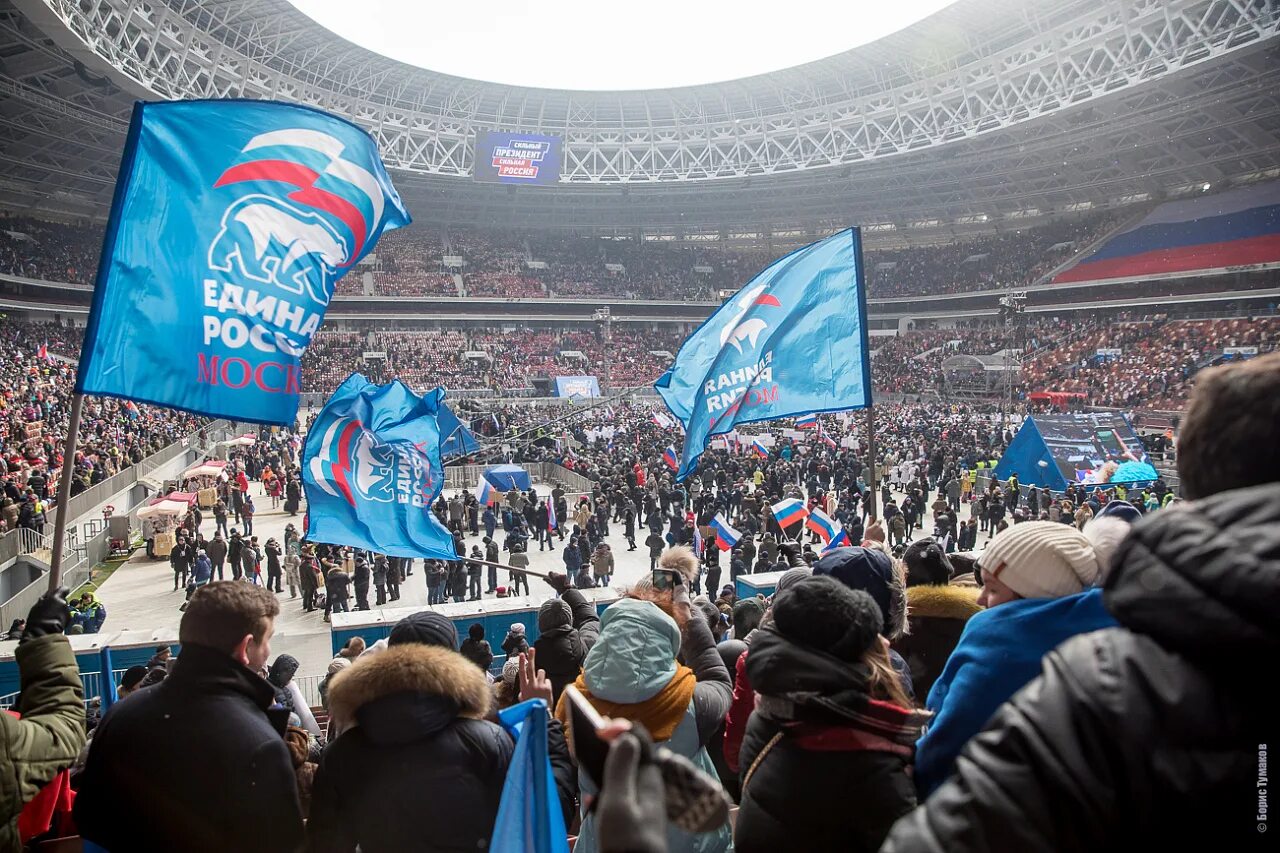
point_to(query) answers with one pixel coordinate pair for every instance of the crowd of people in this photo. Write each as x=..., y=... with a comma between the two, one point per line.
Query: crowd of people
x=37, y=377
x=1081, y=682
x=411, y=262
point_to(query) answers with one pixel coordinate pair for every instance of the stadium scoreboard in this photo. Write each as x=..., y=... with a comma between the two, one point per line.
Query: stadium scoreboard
x=516, y=158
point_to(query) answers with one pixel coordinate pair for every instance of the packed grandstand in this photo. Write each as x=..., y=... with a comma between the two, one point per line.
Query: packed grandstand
x=1068, y=214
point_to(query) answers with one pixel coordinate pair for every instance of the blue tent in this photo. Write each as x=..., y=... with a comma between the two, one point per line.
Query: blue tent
x=455, y=439
x=507, y=477
x=1091, y=449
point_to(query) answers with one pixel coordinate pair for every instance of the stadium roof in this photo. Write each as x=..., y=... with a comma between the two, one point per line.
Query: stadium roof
x=988, y=114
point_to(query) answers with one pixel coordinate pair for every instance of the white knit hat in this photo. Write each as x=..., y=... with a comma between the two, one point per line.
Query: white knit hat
x=1042, y=559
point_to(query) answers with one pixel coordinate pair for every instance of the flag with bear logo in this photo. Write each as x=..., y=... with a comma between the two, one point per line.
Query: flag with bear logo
x=792, y=341
x=371, y=468
x=232, y=221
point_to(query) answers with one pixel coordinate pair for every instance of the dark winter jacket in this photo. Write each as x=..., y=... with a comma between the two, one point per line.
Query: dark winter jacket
x=1140, y=736
x=789, y=801
x=417, y=766
x=937, y=616
x=567, y=629
x=211, y=713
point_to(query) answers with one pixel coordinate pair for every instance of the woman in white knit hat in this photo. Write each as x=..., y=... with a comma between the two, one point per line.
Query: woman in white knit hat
x=1038, y=582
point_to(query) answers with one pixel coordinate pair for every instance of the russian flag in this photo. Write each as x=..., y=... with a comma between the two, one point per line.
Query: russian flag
x=809, y=421
x=822, y=524
x=827, y=440
x=697, y=541
x=486, y=494
x=760, y=449
x=789, y=511
x=726, y=536
x=661, y=420
x=840, y=540
x=551, y=516
x=131, y=408
x=669, y=456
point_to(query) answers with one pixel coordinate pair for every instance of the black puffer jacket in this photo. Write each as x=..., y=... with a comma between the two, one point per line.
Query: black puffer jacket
x=567, y=629
x=803, y=797
x=421, y=769
x=1143, y=736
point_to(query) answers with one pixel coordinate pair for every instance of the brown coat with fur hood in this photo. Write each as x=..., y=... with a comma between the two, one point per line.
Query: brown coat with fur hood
x=417, y=767
x=936, y=616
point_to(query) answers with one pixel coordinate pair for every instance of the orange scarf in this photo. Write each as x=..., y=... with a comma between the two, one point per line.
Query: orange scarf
x=660, y=713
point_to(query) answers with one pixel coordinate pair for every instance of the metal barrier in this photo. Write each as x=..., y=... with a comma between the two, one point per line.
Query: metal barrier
x=468, y=476
x=76, y=567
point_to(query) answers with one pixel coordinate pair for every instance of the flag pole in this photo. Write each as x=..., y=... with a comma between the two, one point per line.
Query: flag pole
x=64, y=491
x=872, y=485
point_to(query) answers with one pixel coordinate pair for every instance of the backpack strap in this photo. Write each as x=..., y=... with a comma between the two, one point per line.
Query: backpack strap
x=773, y=741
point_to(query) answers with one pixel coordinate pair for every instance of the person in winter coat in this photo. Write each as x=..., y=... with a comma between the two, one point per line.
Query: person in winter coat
x=308, y=578
x=217, y=551
x=518, y=560
x=304, y=752
x=287, y=693
x=380, y=568
x=412, y=718
x=1038, y=590
x=337, y=583
x=936, y=611
x=516, y=642
x=632, y=672
x=274, y=573
x=207, y=730
x=235, y=554
x=572, y=558
x=656, y=544
x=830, y=707
x=602, y=564
x=1147, y=733
x=293, y=569
x=436, y=573
x=475, y=647
x=47, y=733
x=568, y=627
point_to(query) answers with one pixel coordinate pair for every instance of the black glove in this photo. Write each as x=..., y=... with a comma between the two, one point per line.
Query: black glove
x=631, y=814
x=49, y=615
x=791, y=551
x=557, y=581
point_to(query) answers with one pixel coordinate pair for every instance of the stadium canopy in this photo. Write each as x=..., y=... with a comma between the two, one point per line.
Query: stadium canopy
x=456, y=439
x=507, y=477
x=1090, y=449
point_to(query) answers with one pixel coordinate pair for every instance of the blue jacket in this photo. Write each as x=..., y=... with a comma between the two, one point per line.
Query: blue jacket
x=998, y=653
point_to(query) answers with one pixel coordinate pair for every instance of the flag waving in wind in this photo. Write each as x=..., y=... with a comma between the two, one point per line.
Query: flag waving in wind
x=792, y=341
x=371, y=467
x=232, y=222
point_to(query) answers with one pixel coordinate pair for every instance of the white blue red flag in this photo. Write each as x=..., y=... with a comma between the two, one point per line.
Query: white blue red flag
x=670, y=457
x=232, y=221
x=822, y=524
x=486, y=494
x=789, y=511
x=792, y=341
x=371, y=468
x=552, y=523
x=662, y=420
x=809, y=421
x=757, y=447
x=840, y=540
x=726, y=536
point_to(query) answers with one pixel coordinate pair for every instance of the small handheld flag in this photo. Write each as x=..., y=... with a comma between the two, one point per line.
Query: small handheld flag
x=371, y=468
x=757, y=447
x=822, y=524
x=231, y=224
x=792, y=341
x=669, y=456
x=726, y=536
x=789, y=511
x=809, y=421
x=827, y=440
x=551, y=516
x=697, y=541
x=662, y=420
x=840, y=540
x=486, y=494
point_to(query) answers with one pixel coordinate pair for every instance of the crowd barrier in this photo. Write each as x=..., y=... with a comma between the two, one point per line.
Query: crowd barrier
x=468, y=476
x=128, y=648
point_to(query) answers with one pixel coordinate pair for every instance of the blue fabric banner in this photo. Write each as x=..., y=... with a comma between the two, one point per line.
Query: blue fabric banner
x=232, y=221
x=371, y=468
x=792, y=341
x=529, y=817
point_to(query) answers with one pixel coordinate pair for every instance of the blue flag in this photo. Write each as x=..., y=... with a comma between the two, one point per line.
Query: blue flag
x=371, y=468
x=231, y=223
x=455, y=438
x=529, y=816
x=792, y=341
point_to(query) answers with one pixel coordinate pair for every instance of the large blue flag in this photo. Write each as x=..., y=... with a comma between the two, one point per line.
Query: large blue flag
x=231, y=223
x=371, y=468
x=792, y=341
x=455, y=438
x=529, y=816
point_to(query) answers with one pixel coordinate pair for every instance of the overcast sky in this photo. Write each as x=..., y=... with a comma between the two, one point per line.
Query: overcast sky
x=576, y=44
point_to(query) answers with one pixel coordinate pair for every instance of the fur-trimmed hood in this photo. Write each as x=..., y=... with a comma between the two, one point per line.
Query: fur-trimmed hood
x=408, y=691
x=942, y=602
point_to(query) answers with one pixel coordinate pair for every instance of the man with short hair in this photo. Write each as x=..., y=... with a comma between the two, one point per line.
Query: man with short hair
x=1151, y=731
x=199, y=762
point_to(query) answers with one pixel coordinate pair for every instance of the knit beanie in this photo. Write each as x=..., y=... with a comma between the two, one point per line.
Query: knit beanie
x=516, y=629
x=1042, y=559
x=337, y=665
x=822, y=613
x=426, y=627
x=870, y=570
x=792, y=576
x=1106, y=532
x=511, y=671
x=927, y=564
x=554, y=613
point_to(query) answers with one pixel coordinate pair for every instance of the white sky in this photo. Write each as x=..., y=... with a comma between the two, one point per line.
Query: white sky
x=598, y=44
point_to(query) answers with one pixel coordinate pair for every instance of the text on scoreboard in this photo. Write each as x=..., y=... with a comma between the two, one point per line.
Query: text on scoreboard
x=516, y=158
